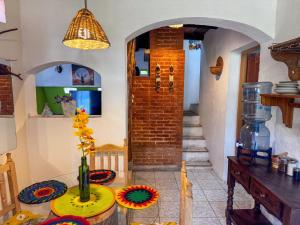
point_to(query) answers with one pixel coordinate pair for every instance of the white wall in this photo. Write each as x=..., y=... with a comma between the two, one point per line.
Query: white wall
x=219, y=98
x=121, y=20
x=50, y=77
x=191, y=75
x=10, y=49
x=287, y=27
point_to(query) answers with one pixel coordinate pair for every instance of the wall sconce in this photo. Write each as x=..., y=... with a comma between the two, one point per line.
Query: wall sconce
x=218, y=69
x=171, y=79
x=157, y=78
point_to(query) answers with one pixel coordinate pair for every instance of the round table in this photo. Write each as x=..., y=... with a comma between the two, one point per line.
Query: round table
x=100, y=210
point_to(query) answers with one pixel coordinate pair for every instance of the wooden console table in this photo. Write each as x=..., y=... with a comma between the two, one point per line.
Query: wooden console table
x=275, y=191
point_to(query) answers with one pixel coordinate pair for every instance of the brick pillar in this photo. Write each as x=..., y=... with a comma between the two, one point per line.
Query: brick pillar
x=157, y=116
x=6, y=95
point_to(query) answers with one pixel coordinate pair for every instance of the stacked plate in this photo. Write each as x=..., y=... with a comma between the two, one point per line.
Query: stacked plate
x=287, y=87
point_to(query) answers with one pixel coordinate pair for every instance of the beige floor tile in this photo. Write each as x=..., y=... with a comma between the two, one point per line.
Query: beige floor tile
x=215, y=195
x=166, y=185
x=144, y=175
x=219, y=208
x=145, y=220
x=145, y=182
x=169, y=195
x=202, y=209
x=206, y=221
x=198, y=195
x=204, y=176
x=164, y=175
x=210, y=185
x=169, y=209
x=169, y=219
x=222, y=221
x=241, y=196
x=148, y=212
x=244, y=204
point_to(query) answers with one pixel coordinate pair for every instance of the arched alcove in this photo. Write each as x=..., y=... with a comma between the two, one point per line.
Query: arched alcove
x=57, y=83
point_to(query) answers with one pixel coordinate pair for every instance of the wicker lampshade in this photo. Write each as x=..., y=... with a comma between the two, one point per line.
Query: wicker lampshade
x=85, y=32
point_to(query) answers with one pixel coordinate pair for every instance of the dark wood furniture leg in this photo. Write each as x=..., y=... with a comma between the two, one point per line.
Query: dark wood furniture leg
x=230, y=192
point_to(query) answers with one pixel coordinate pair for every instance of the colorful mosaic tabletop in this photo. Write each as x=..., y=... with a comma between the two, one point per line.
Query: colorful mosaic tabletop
x=102, y=198
x=137, y=196
x=42, y=192
x=102, y=176
x=66, y=220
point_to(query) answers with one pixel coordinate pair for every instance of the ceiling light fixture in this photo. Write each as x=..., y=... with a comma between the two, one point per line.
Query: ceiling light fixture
x=176, y=26
x=85, y=32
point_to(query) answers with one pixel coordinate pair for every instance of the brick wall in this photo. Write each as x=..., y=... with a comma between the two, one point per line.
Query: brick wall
x=6, y=95
x=157, y=116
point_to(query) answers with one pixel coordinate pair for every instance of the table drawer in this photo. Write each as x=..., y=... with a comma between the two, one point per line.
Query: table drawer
x=241, y=176
x=266, y=198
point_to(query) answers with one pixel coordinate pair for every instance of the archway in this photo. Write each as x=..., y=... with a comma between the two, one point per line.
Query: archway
x=253, y=33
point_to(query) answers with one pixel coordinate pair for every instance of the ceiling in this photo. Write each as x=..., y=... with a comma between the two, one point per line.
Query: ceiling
x=191, y=32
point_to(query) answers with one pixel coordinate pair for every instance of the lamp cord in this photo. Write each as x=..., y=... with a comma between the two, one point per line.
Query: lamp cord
x=85, y=4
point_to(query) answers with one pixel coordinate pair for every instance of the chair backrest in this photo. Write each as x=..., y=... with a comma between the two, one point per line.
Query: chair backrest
x=8, y=180
x=109, y=156
x=186, y=198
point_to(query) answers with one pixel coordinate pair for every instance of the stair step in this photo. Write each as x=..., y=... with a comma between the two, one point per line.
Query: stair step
x=198, y=164
x=195, y=149
x=190, y=113
x=191, y=137
x=193, y=142
x=195, y=120
x=192, y=131
x=195, y=156
x=192, y=125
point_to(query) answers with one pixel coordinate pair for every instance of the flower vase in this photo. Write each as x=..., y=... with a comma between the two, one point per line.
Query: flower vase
x=84, y=182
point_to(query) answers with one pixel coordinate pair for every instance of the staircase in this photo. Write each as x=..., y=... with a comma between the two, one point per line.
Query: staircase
x=195, y=152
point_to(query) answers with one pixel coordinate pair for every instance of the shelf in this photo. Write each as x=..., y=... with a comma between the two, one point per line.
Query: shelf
x=217, y=70
x=285, y=102
x=289, y=53
x=248, y=217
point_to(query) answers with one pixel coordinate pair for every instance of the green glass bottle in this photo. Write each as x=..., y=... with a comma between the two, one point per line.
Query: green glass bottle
x=84, y=182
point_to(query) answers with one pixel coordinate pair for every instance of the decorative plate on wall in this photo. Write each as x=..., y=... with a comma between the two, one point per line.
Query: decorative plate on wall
x=66, y=220
x=137, y=196
x=42, y=192
x=102, y=176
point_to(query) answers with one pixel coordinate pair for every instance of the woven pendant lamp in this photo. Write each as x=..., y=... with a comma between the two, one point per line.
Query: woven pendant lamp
x=85, y=32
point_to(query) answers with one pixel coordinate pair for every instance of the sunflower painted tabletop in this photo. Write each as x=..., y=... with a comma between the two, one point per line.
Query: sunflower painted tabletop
x=102, y=198
x=137, y=196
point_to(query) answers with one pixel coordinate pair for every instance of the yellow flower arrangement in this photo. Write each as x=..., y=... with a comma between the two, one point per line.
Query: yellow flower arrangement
x=87, y=142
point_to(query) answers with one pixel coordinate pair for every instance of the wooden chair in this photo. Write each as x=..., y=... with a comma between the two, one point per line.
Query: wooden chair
x=186, y=200
x=109, y=156
x=8, y=180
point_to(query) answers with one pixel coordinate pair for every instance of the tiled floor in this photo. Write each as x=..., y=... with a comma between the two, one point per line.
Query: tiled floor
x=209, y=197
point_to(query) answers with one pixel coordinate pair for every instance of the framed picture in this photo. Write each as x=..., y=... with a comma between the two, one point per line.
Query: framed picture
x=82, y=75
